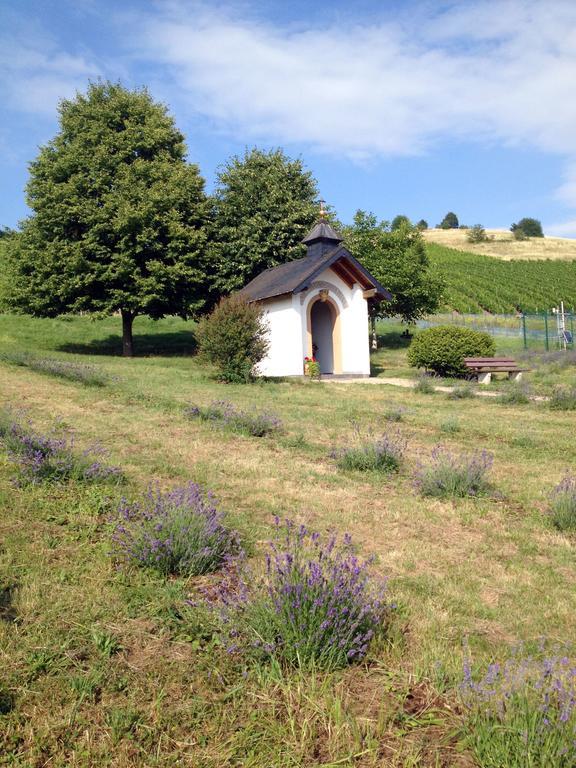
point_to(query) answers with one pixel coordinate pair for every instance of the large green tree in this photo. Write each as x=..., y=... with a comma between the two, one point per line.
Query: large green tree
x=264, y=204
x=398, y=259
x=118, y=223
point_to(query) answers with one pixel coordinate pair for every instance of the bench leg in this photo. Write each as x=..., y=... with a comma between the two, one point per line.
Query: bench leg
x=484, y=378
x=515, y=375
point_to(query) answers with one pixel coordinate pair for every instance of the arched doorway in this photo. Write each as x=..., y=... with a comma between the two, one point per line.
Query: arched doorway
x=322, y=322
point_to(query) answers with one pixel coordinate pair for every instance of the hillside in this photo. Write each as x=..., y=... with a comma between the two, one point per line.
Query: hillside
x=503, y=245
x=475, y=282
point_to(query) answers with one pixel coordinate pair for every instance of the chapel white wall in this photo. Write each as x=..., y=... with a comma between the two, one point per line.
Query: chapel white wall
x=285, y=355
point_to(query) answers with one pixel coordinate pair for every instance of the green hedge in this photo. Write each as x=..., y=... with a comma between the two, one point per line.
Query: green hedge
x=443, y=349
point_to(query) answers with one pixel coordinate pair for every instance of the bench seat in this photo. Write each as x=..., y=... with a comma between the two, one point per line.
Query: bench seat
x=484, y=367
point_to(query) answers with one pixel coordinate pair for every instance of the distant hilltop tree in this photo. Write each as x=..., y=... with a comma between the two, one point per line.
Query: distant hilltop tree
x=118, y=220
x=476, y=234
x=450, y=221
x=400, y=221
x=527, y=227
x=422, y=225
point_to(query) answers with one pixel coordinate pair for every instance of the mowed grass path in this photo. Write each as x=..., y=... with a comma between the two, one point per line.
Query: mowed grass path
x=489, y=569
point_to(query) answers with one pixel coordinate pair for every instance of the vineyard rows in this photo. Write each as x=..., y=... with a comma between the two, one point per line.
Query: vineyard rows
x=475, y=283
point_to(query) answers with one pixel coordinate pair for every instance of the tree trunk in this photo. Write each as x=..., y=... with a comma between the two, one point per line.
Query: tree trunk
x=127, y=343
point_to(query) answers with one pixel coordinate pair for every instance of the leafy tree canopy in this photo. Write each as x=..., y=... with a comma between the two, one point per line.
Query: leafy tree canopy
x=118, y=221
x=422, y=224
x=400, y=221
x=264, y=205
x=450, y=221
x=398, y=259
x=528, y=227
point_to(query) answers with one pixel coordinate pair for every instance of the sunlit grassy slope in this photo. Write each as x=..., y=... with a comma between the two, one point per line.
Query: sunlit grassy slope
x=503, y=246
x=491, y=570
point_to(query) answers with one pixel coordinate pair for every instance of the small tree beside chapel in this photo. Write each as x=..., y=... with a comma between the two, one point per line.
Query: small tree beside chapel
x=118, y=222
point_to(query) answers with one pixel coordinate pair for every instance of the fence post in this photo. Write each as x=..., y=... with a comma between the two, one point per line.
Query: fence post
x=524, y=330
x=546, y=329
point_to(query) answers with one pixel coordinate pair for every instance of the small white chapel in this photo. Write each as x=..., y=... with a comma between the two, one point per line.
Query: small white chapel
x=317, y=307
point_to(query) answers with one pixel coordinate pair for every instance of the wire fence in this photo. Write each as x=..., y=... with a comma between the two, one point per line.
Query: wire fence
x=532, y=330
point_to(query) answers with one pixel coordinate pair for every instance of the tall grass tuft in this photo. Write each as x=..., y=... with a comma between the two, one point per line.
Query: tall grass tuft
x=178, y=532
x=317, y=604
x=89, y=375
x=563, y=504
x=450, y=475
x=225, y=414
x=522, y=713
x=51, y=457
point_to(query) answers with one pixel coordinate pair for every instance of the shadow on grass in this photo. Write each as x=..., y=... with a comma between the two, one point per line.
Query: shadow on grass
x=177, y=343
x=393, y=340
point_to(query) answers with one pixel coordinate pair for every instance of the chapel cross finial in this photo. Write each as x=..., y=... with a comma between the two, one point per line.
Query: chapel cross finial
x=323, y=210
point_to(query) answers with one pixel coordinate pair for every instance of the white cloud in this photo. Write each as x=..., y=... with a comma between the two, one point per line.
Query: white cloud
x=492, y=71
x=35, y=74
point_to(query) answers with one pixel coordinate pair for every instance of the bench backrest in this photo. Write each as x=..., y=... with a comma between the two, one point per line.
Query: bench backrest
x=490, y=360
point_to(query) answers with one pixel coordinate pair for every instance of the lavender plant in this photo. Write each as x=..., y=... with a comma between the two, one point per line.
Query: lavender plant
x=64, y=369
x=52, y=456
x=317, y=604
x=563, y=504
x=522, y=713
x=563, y=399
x=369, y=453
x=449, y=475
x=225, y=414
x=461, y=392
x=515, y=394
x=424, y=385
x=176, y=532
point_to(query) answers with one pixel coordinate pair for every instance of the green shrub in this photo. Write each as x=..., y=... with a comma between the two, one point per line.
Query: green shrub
x=443, y=349
x=234, y=338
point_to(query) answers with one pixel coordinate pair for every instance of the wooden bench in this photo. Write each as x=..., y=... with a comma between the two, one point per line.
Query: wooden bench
x=484, y=367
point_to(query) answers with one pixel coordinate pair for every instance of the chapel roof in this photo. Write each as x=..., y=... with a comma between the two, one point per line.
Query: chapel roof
x=295, y=276
x=322, y=231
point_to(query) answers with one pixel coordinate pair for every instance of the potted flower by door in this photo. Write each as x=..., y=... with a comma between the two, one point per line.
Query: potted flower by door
x=311, y=368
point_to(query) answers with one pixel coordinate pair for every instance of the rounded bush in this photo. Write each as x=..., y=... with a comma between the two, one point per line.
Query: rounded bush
x=443, y=349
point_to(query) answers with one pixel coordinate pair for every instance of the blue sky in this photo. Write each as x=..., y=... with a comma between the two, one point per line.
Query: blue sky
x=396, y=107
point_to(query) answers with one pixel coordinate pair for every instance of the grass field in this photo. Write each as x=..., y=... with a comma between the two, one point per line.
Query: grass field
x=502, y=245
x=106, y=668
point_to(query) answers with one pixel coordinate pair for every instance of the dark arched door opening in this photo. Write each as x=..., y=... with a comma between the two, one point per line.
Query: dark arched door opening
x=322, y=327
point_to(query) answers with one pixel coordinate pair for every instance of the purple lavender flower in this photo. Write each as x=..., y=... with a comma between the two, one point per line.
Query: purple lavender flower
x=563, y=504
x=448, y=474
x=382, y=454
x=52, y=456
x=225, y=414
x=317, y=603
x=175, y=532
x=523, y=710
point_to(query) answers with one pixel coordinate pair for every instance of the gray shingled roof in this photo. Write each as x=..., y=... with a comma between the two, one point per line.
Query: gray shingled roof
x=296, y=275
x=322, y=231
